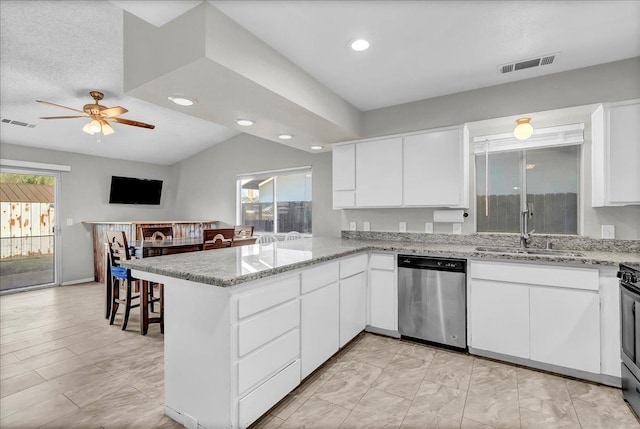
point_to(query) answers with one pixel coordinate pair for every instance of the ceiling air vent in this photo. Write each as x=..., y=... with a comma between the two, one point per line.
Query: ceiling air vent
x=19, y=123
x=526, y=64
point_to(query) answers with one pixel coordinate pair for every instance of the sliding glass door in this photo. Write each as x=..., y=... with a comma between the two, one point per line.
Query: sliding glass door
x=27, y=229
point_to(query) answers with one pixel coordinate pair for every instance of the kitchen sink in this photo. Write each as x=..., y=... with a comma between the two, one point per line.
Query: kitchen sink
x=526, y=251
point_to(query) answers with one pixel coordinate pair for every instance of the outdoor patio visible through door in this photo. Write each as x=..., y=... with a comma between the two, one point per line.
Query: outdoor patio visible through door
x=27, y=252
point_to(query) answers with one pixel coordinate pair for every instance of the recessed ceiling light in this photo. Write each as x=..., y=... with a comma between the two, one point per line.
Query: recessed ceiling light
x=244, y=122
x=317, y=147
x=359, y=45
x=285, y=136
x=182, y=101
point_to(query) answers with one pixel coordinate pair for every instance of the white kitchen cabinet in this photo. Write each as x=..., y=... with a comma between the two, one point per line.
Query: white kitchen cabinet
x=499, y=316
x=383, y=292
x=353, y=307
x=615, y=135
x=435, y=168
x=319, y=327
x=344, y=175
x=379, y=173
x=565, y=327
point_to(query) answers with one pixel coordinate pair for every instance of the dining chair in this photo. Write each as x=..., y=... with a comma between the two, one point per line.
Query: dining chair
x=293, y=235
x=121, y=278
x=243, y=231
x=266, y=239
x=210, y=239
x=157, y=233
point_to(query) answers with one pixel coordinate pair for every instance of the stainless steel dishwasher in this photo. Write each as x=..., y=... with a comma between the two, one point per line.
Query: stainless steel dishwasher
x=432, y=300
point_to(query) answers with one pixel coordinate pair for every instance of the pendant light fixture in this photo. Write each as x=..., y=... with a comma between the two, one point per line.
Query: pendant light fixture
x=523, y=130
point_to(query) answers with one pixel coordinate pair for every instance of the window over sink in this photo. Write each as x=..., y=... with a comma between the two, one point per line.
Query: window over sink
x=277, y=201
x=541, y=175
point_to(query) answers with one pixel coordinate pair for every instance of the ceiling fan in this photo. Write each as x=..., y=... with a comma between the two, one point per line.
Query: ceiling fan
x=100, y=116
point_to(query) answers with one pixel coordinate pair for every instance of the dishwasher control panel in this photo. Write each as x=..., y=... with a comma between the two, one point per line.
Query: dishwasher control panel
x=432, y=263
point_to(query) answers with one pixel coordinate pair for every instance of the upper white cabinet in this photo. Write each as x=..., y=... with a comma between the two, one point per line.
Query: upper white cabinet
x=379, y=173
x=420, y=169
x=436, y=166
x=615, y=135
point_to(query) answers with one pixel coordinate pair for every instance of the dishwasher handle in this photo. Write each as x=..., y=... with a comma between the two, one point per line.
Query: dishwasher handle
x=432, y=263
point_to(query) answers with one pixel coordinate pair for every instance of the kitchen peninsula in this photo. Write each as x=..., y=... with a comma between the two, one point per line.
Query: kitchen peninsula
x=243, y=326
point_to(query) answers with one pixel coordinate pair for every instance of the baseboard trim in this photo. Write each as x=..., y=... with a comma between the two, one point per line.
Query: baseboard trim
x=608, y=380
x=387, y=332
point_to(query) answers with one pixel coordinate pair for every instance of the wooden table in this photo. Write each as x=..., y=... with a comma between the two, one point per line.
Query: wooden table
x=166, y=247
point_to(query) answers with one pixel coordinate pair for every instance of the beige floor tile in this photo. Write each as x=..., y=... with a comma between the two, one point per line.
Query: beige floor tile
x=450, y=369
x=532, y=420
x=371, y=356
x=311, y=385
x=417, y=351
x=267, y=422
x=288, y=406
x=316, y=413
x=362, y=418
x=604, y=415
x=47, y=410
x=471, y=424
x=12, y=385
x=545, y=393
x=8, y=359
x=349, y=385
x=378, y=401
x=36, y=362
x=434, y=405
x=402, y=376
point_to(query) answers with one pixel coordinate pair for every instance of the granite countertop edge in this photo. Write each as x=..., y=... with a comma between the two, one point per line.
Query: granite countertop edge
x=590, y=258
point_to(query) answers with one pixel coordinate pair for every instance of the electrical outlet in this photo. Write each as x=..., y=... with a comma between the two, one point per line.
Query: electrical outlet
x=189, y=422
x=608, y=231
x=366, y=226
x=352, y=226
x=457, y=228
x=402, y=227
x=428, y=227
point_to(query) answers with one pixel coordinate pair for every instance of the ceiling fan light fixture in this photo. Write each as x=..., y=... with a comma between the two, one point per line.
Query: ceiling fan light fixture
x=106, y=128
x=523, y=129
x=182, y=101
x=92, y=127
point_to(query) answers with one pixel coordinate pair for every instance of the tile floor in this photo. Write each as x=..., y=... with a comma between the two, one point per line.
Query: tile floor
x=63, y=366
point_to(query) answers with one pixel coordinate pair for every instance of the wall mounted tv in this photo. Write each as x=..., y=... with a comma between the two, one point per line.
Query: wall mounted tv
x=128, y=190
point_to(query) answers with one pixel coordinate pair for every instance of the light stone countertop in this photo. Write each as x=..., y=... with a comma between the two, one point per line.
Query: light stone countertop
x=236, y=265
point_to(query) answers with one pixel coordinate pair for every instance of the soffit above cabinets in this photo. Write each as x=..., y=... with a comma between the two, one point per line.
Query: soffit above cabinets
x=231, y=74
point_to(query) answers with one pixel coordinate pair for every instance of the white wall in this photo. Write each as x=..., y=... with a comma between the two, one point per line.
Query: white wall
x=84, y=195
x=602, y=83
x=207, y=181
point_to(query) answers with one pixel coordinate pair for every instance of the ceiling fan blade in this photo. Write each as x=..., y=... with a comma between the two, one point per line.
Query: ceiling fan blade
x=130, y=122
x=60, y=105
x=61, y=117
x=106, y=128
x=113, y=111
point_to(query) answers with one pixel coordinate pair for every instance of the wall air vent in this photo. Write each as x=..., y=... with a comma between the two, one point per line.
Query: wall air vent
x=19, y=123
x=544, y=60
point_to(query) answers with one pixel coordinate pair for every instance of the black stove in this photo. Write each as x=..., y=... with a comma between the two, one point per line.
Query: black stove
x=629, y=275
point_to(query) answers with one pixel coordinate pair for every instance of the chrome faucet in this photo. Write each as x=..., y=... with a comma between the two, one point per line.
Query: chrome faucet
x=524, y=226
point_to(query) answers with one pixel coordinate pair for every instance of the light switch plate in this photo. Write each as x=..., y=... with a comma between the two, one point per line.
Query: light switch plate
x=352, y=226
x=402, y=227
x=457, y=228
x=366, y=226
x=608, y=231
x=428, y=227
x=69, y=221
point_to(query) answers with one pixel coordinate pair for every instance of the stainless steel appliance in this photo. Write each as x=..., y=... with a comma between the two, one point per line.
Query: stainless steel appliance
x=432, y=300
x=629, y=275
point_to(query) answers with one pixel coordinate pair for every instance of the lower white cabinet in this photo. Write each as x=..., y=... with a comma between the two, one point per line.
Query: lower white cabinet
x=500, y=317
x=319, y=327
x=383, y=291
x=545, y=313
x=565, y=327
x=353, y=306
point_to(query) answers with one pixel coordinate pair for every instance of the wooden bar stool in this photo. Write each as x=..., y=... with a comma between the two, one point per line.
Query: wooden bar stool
x=120, y=276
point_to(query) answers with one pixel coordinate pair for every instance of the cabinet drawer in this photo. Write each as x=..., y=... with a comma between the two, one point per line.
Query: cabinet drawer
x=382, y=261
x=269, y=325
x=541, y=275
x=316, y=277
x=267, y=360
x=268, y=296
x=353, y=265
x=268, y=394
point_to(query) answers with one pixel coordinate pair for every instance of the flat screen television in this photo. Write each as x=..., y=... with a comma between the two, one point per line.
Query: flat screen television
x=128, y=190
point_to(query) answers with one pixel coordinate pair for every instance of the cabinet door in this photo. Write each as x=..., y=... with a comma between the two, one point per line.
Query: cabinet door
x=383, y=295
x=379, y=173
x=500, y=317
x=565, y=328
x=624, y=154
x=319, y=327
x=353, y=307
x=433, y=165
x=344, y=167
